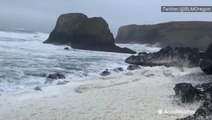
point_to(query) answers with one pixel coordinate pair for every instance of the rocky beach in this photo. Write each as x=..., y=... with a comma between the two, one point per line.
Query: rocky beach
x=140, y=94
x=79, y=72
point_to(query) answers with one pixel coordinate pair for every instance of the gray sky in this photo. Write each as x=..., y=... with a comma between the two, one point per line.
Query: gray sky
x=41, y=15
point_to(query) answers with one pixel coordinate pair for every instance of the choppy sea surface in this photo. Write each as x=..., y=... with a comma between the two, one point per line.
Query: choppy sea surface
x=24, y=58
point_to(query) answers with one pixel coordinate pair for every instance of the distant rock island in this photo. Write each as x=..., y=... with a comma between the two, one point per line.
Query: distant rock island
x=195, y=34
x=81, y=32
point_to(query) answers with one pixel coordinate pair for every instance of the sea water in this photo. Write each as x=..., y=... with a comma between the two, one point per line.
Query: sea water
x=24, y=59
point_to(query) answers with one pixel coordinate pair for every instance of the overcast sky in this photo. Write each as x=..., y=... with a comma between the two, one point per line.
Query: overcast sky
x=41, y=15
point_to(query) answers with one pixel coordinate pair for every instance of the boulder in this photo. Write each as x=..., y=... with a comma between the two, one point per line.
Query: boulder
x=187, y=92
x=37, y=89
x=118, y=69
x=133, y=67
x=81, y=32
x=194, y=34
x=105, y=73
x=66, y=48
x=56, y=76
x=178, y=57
x=204, y=112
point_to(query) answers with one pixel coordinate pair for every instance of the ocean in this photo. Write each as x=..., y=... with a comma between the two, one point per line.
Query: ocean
x=24, y=59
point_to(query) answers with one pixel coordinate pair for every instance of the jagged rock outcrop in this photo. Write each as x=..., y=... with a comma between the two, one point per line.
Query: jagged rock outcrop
x=188, y=93
x=177, y=57
x=194, y=34
x=204, y=112
x=81, y=32
x=206, y=61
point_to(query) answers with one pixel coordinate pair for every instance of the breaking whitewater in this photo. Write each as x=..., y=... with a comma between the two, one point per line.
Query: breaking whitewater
x=143, y=94
x=25, y=61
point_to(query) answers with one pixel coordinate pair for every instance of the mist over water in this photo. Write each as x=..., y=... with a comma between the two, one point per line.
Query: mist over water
x=41, y=15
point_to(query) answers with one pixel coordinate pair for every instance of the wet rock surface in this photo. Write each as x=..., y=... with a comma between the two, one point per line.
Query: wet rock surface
x=178, y=57
x=37, y=89
x=206, y=62
x=203, y=92
x=186, y=92
x=118, y=69
x=204, y=112
x=66, y=48
x=133, y=67
x=56, y=76
x=106, y=72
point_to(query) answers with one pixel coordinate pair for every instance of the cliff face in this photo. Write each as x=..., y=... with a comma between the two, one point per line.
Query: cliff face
x=81, y=32
x=174, y=34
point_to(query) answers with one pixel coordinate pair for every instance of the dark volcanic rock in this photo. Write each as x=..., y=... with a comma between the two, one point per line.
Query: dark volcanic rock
x=194, y=34
x=206, y=65
x=105, y=73
x=206, y=89
x=206, y=62
x=56, y=76
x=81, y=32
x=118, y=69
x=203, y=92
x=204, y=112
x=37, y=89
x=66, y=48
x=208, y=52
x=203, y=86
x=36, y=74
x=187, y=92
x=186, y=57
x=133, y=67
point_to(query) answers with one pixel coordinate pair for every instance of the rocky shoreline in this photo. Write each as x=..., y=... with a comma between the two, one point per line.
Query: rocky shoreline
x=137, y=94
x=146, y=82
x=169, y=57
x=184, y=57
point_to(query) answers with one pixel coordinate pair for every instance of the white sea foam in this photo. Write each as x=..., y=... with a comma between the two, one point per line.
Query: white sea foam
x=142, y=47
x=137, y=95
x=23, y=54
x=123, y=96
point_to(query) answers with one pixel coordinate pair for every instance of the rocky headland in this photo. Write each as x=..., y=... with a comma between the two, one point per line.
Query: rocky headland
x=194, y=34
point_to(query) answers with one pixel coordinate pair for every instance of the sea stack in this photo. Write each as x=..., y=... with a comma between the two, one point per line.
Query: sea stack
x=81, y=32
